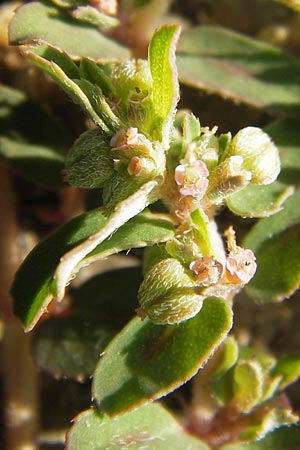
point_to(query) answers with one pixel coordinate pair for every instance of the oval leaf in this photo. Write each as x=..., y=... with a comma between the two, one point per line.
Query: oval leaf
x=69, y=347
x=150, y=427
x=259, y=201
x=146, y=361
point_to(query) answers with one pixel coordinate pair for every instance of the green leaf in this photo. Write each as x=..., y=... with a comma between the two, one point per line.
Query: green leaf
x=165, y=89
x=150, y=427
x=232, y=65
x=221, y=380
x=229, y=356
x=40, y=164
x=31, y=289
x=40, y=23
x=191, y=129
x=276, y=244
x=93, y=16
x=247, y=386
x=287, y=137
x=284, y=438
x=70, y=346
x=31, y=139
x=146, y=361
x=134, y=202
x=259, y=201
x=40, y=58
x=288, y=368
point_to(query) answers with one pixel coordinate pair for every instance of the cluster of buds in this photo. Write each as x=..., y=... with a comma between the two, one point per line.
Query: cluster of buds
x=238, y=269
x=136, y=154
x=172, y=293
x=213, y=169
x=132, y=83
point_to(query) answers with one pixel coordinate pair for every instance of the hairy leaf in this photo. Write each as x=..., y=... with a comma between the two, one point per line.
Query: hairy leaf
x=41, y=23
x=31, y=289
x=150, y=427
x=142, y=362
x=165, y=90
x=244, y=69
x=259, y=201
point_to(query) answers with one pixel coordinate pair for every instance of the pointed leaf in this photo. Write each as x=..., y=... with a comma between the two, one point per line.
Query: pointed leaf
x=150, y=427
x=31, y=288
x=248, y=385
x=288, y=368
x=37, y=22
x=146, y=361
x=191, y=129
x=131, y=206
x=165, y=90
x=66, y=83
x=244, y=69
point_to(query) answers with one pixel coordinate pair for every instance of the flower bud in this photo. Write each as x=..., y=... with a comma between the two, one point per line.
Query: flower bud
x=228, y=177
x=134, y=153
x=89, y=163
x=168, y=295
x=240, y=266
x=132, y=80
x=207, y=148
x=207, y=270
x=260, y=155
x=240, y=263
x=192, y=179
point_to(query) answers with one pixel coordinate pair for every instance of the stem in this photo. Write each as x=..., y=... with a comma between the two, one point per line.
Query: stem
x=19, y=375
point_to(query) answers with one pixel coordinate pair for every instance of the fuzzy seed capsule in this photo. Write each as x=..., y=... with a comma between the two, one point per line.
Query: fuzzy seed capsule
x=260, y=155
x=168, y=295
x=89, y=163
x=132, y=80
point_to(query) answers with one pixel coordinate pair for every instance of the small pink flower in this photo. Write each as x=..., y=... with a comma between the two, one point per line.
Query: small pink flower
x=207, y=270
x=192, y=178
x=240, y=266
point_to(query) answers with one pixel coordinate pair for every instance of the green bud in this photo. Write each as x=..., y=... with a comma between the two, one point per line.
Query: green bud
x=134, y=153
x=228, y=177
x=207, y=148
x=168, y=295
x=132, y=80
x=89, y=163
x=260, y=155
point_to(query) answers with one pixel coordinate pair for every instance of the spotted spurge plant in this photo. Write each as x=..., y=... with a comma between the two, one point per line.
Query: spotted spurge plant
x=162, y=180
